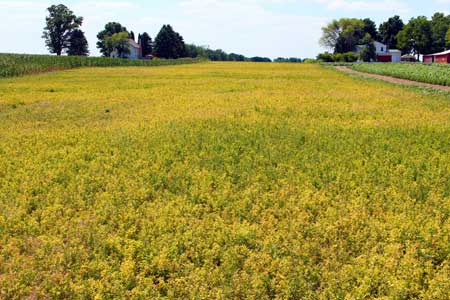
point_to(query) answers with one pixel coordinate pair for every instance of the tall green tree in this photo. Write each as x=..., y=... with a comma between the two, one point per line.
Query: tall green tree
x=110, y=29
x=343, y=35
x=368, y=50
x=146, y=43
x=416, y=36
x=405, y=42
x=389, y=30
x=132, y=36
x=169, y=44
x=370, y=28
x=440, y=24
x=60, y=23
x=118, y=43
x=180, y=45
x=78, y=44
x=447, y=38
x=330, y=34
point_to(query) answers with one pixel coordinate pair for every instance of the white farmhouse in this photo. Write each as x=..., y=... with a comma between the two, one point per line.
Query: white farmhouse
x=383, y=53
x=135, y=51
x=380, y=47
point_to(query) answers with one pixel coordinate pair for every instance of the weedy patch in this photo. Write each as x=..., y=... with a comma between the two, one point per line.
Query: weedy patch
x=312, y=185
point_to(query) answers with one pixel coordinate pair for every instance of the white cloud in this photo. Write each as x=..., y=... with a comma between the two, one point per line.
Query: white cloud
x=22, y=22
x=22, y=5
x=28, y=20
x=97, y=13
x=105, y=5
x=371, y=6
x=251, y=27
x=246, y=27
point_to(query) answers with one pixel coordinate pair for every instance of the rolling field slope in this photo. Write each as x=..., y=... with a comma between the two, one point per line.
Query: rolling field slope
x=222, y=181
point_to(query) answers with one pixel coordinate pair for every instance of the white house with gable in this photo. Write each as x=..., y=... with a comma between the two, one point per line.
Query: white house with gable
x=383, y=53
x=135, y=51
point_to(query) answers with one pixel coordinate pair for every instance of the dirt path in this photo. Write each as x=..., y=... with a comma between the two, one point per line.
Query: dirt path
x=394, y=80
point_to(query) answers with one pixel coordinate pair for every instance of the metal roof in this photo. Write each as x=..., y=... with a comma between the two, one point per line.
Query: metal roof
x=440, y=53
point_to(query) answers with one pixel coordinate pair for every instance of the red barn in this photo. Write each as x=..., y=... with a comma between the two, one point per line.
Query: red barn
x=428, y=59
x=442, y=58
x=385, y=57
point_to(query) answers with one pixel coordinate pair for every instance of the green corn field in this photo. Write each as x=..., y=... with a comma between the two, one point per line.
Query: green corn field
x=429, y=73
x=21, y=64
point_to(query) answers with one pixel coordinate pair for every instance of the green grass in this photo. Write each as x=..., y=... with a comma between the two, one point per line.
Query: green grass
x=22, y=64
x=429, y=73
x=222, y=181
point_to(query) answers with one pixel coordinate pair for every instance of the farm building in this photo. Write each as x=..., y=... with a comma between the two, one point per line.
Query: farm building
x=135, y=51
x=392, y=55
x=408, y=58
x=441, y=57
x=383, y=53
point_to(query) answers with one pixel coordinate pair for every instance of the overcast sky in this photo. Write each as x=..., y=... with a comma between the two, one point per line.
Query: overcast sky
x=288, y=28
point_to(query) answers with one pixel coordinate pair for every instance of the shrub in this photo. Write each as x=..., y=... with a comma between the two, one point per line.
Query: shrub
x=325, y=57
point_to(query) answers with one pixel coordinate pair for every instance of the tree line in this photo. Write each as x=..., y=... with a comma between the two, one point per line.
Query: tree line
x=220, y=55
x=419, y=36
x=62, y=34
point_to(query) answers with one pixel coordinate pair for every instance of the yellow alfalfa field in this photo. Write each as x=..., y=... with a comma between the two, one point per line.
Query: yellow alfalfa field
x=222, y=181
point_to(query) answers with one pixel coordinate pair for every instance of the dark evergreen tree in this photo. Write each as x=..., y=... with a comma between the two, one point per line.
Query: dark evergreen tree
x=110, y=29
x=169, y=44
x=389, y=30
x=60, y=23
x=78, y=44
x=146, y=43
x=180, y=45
x=132, y=36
